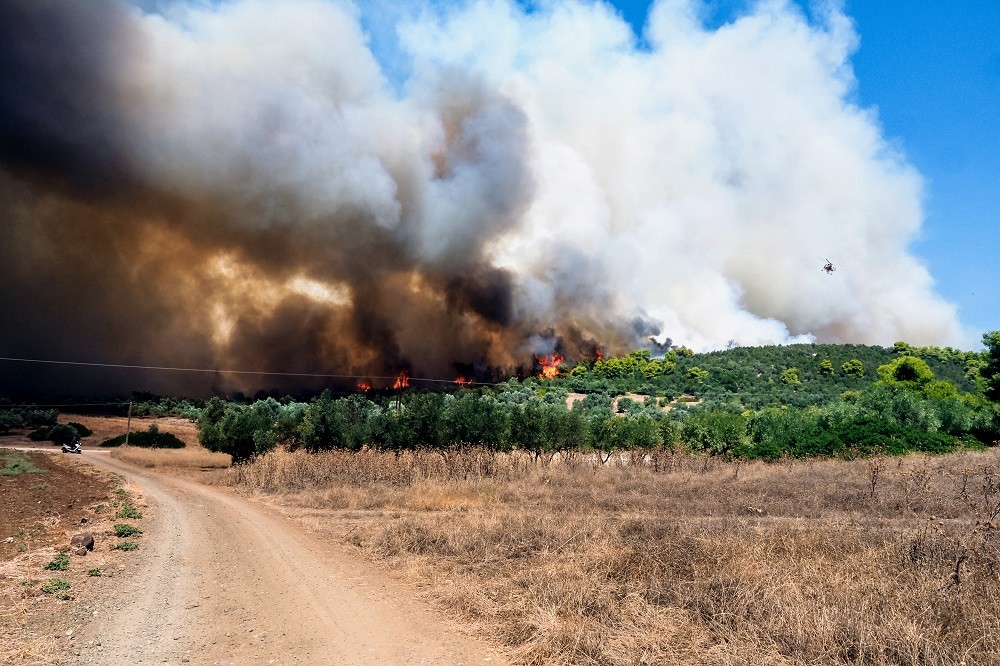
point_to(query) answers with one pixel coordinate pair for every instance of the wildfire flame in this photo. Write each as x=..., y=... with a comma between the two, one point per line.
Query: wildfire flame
x=598, y=354
x=550, y=365
x=364, y=386
x=402, y=381
x=462, y=381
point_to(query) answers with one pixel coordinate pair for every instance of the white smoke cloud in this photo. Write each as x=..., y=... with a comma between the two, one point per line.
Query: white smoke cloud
x=703, y=178
x=699, y=179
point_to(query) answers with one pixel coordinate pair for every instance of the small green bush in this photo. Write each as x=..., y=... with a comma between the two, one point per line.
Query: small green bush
x=57, y=587
x=59, y=563
x=81, y=430
x=152, y=439
x=122, y=531
x=126, y=546
x=95, y=572
x=62, y=433
x=129, y=511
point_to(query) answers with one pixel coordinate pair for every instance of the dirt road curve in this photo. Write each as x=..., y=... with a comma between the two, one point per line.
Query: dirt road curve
x=222, y=581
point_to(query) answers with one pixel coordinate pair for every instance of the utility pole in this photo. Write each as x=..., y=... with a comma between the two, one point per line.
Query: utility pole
x=128, y=427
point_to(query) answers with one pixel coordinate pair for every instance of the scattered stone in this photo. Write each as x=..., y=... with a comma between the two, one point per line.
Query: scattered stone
x=80, y=551
x=82, y=540
x=84, y=520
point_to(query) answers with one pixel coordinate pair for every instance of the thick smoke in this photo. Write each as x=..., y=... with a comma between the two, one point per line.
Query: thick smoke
x=239, y=185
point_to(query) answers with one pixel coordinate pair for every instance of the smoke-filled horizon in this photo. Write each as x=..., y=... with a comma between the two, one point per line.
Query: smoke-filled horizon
x=240, y=185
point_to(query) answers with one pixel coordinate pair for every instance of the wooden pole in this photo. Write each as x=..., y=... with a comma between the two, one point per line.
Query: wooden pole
x=128, y=428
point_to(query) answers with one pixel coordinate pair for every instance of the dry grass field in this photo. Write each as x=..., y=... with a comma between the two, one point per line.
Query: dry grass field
x=191, y=457
x=677, y=559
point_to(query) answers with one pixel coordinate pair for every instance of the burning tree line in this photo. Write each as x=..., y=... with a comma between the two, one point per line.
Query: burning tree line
x=907, y=408
x=896, y=415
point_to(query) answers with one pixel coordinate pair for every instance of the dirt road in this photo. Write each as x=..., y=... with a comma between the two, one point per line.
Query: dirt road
x=220, y=580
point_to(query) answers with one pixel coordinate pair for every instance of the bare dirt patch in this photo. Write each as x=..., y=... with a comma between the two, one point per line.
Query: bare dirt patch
x=39, y=508
x=42, y=586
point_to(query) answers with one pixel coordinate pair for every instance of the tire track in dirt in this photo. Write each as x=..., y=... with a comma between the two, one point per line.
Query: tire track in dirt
x=222, y=580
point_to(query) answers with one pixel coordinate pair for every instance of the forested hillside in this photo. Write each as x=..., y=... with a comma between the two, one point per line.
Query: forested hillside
x=754, y=377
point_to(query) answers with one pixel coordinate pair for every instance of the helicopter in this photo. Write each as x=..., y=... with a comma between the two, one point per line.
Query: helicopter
x=829, y=267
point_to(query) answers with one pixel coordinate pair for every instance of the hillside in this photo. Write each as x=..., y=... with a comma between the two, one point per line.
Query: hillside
x=754, y=377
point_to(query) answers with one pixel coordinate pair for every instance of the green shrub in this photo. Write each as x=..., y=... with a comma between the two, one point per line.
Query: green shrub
x=128, y=511
x=81, y=430
x=59, y=563
x=62, y=433
x=152, y=438
x=57, y=587
x=122, y=531
x=714, y=431
x=125, y=546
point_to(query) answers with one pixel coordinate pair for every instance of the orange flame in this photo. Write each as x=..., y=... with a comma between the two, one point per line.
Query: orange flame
x=550, y=365
x=462, y=381
x=364, y=386
x=402, y=381
x=598, y=354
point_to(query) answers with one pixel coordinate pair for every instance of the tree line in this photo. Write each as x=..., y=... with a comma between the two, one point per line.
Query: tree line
x=916, y=399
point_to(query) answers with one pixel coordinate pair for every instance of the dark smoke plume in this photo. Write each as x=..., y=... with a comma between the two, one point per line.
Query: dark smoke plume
x=238, y=186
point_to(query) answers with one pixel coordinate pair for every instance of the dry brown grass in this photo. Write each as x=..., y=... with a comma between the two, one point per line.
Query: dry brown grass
x=189, y=457
x=677, y=559
x=18, y=645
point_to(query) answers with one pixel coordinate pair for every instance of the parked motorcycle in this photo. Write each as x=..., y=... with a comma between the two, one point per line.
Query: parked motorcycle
x=72, y=447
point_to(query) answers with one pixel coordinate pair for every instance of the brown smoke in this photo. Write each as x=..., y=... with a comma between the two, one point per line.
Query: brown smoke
x=109, y=255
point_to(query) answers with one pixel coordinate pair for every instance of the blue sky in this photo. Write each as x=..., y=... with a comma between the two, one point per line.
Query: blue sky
x=932, y=71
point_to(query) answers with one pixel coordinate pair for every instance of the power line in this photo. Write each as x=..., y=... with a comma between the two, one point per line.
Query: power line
x=31, y=405
x=231, y=372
